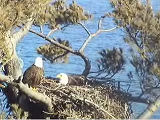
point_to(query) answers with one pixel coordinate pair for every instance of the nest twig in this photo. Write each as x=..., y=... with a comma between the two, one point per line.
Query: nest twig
x=87, y=102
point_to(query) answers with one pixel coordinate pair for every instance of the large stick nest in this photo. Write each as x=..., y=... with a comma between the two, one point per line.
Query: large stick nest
x=85, y=102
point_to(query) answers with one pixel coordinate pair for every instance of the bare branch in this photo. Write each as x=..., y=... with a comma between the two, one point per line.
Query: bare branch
x=85, y=59
x=100, y=23
x=92, y=36
x=150, y=110
x=53, y=42
x=41, y=29
x=85, y=28
x=138, y=99
x=52, y=31
x=100, y=30
x=109, y=30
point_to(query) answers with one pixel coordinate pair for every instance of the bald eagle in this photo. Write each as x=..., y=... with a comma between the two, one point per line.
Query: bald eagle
x=65, y=79
x=34, y=74
x=78, y=80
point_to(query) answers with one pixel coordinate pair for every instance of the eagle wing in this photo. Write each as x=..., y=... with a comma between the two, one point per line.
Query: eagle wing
x=76, y=80
x=33, y=76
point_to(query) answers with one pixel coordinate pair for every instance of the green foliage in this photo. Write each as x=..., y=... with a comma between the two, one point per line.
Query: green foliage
x=54, y=53
x=43, y=12
x=15, y=13
x=60, y=13
x=141, y=23
x=142, y=27
x=111, y=62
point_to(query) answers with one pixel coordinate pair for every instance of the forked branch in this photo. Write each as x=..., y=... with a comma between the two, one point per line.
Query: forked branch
x=53, y=41
x=80, y=52
x=100, y=30
x=52, y=31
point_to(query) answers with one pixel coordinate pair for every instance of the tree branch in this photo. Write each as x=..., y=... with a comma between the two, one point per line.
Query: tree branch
x=138, y=100
x=35, y=95
x=86, y=29
x=85, y=59
x=87, y=64
x=52, y=31
x=29, y=92
x=150, y=110
x=100, y=23
x=16, y=37
x=92, y=36
x=132, y=37
x=100, y=30
x=53, y=41
x=59, y=56
x=41, y=29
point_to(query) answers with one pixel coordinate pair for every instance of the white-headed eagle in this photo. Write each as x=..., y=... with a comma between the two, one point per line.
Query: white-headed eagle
x=34, y=74
x=77, y=80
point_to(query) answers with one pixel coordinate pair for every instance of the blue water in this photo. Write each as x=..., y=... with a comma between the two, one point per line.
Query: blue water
x=76, y=35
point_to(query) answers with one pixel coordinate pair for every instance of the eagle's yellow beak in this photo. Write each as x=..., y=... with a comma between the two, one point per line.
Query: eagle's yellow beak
x=59, y=76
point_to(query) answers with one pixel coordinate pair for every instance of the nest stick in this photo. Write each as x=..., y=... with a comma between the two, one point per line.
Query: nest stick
x=94, y=104
x=87, y=101
x=35, y=95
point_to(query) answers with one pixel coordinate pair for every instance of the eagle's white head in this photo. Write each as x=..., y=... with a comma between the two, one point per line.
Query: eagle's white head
x=63, y=78
x=39, y=62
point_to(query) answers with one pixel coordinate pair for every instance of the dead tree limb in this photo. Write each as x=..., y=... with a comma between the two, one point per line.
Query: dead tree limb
x=41, y=29
x=52, y=31
x=35, y=95
x=92, y=35
x=80, y=52
x=150, y=110
x=53, y=41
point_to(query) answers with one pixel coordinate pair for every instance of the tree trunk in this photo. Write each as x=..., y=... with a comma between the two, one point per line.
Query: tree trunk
x=87, y=69
x=13, y=67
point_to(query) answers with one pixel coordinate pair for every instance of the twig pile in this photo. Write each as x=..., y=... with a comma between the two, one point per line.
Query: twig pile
x=85, y=102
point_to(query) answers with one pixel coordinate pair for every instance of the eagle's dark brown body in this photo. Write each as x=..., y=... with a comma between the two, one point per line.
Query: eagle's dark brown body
x=33, y=76
x=78, y=80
